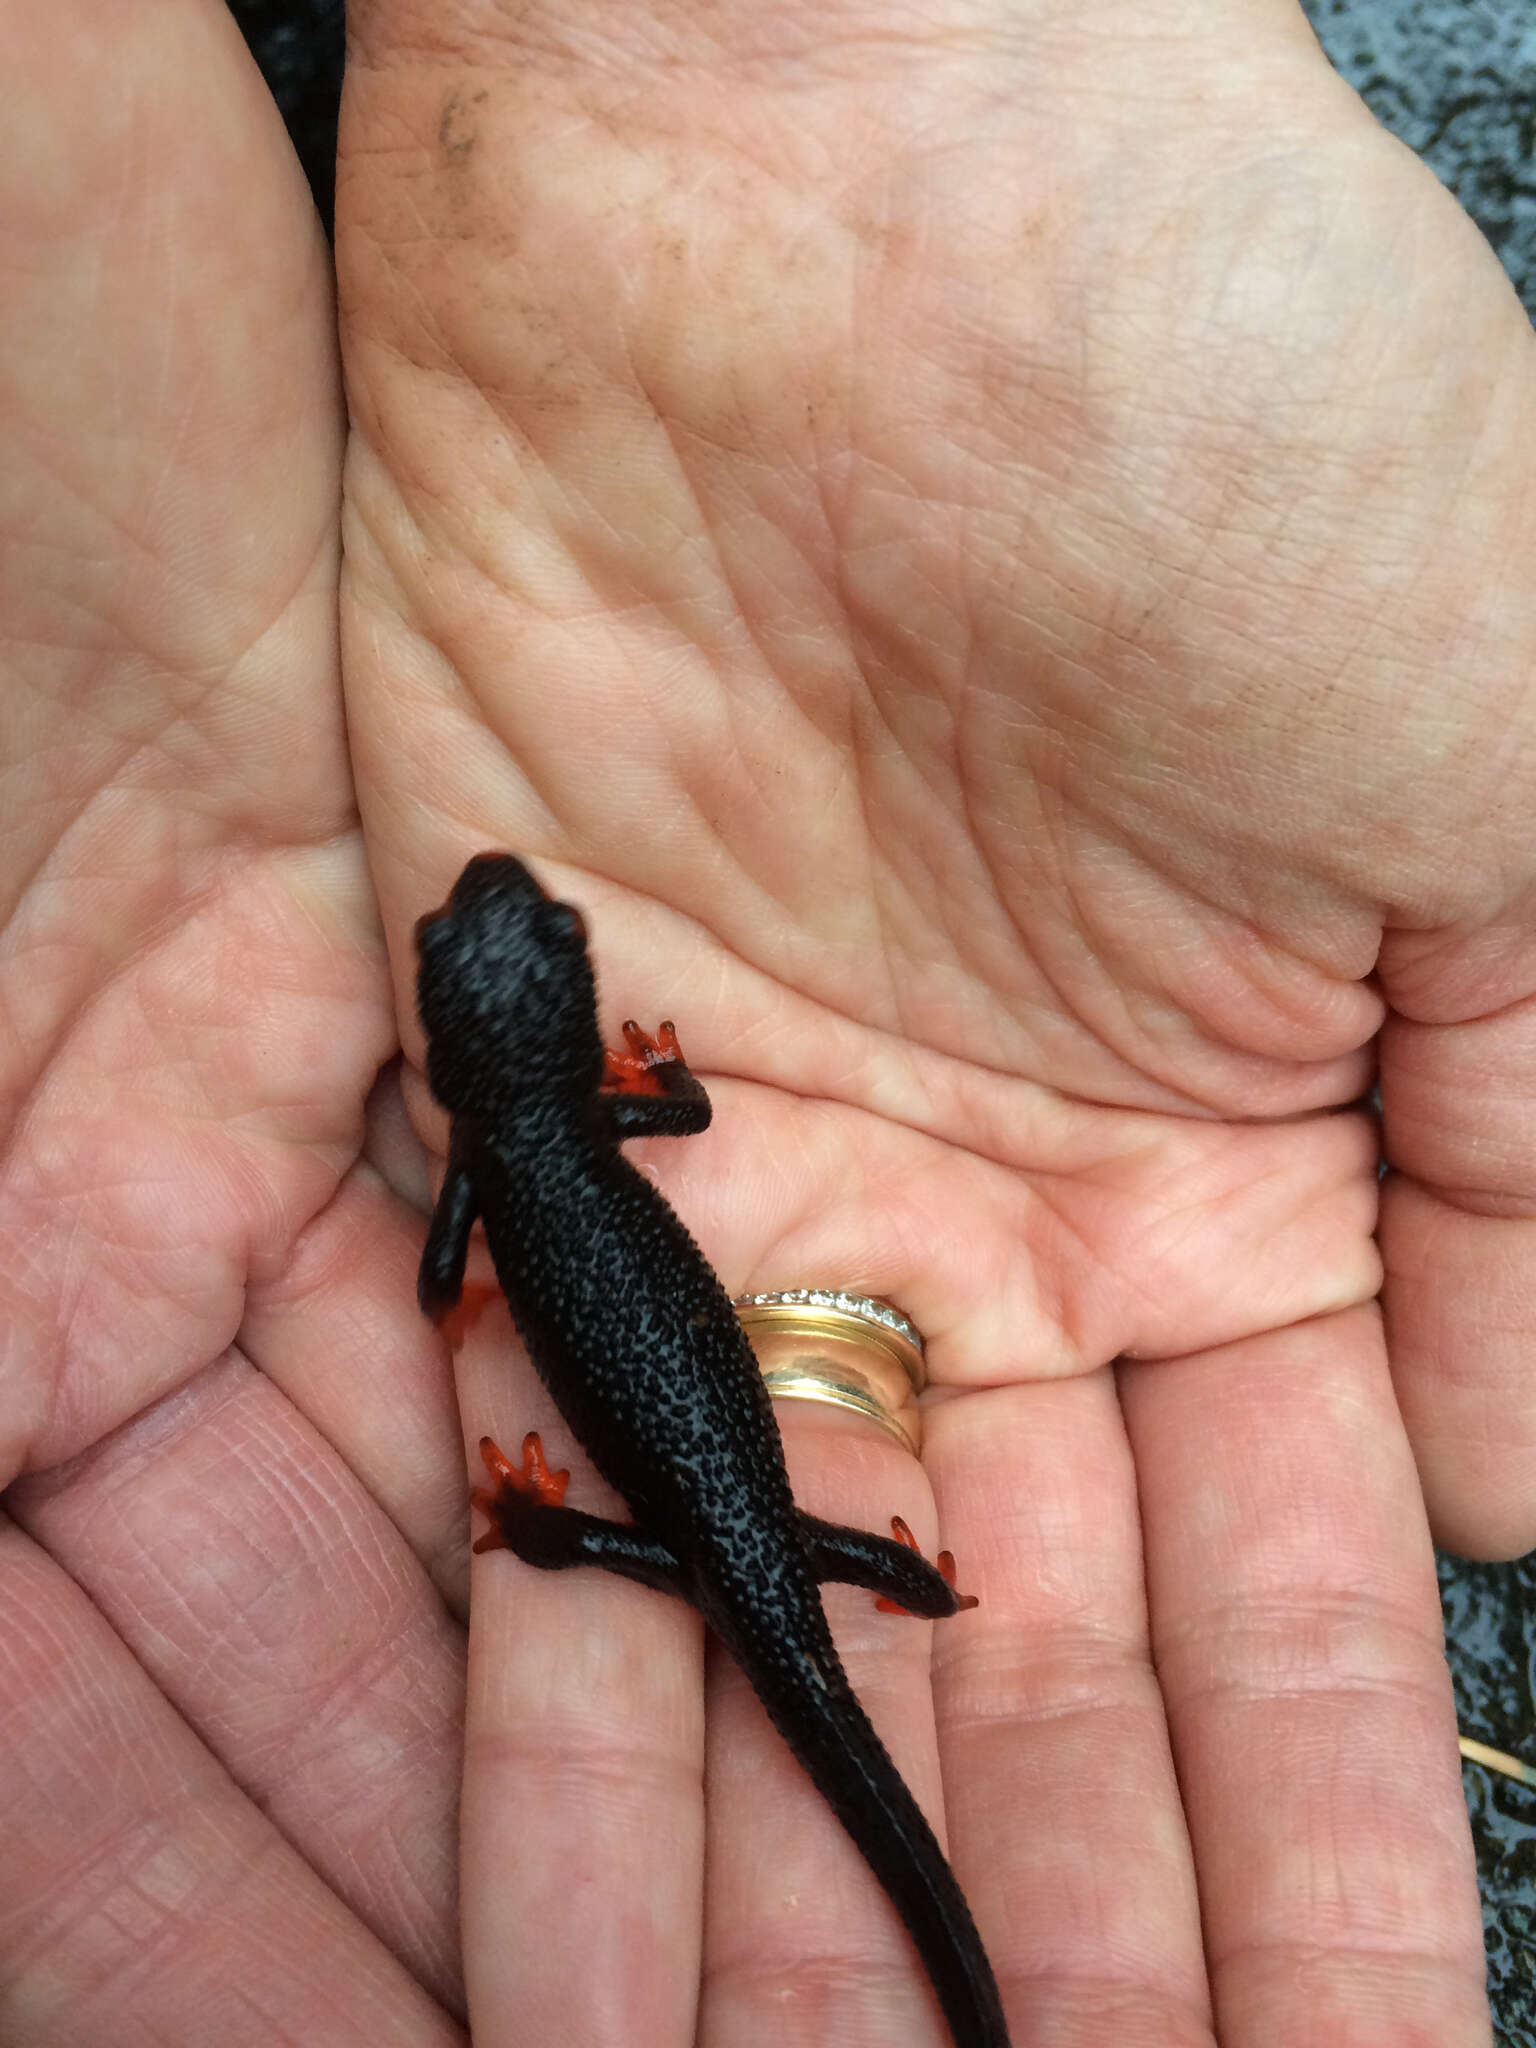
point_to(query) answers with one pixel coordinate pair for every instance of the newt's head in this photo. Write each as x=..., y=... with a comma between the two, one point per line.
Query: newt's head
x=505, y=991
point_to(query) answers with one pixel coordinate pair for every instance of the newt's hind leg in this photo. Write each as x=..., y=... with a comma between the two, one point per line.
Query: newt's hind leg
x=895, y=1569
x=527, y=1518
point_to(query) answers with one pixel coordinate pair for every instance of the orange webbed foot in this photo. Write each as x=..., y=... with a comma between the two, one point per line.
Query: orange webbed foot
x=530, y=1481
x=635, y=1072
x=457, y=1322
x=946, y=1568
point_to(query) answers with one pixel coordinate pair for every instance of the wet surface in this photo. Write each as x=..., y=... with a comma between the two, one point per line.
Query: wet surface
x=1490, y=1619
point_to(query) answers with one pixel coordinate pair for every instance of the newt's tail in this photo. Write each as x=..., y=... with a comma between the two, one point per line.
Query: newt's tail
x=824, y=1724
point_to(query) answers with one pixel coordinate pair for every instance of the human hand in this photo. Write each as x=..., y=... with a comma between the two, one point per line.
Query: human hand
x=230, y=1680
x=988, y=554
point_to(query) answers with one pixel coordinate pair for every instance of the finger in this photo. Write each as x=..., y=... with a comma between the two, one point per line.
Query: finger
x=582, y=1825
x=1066, y=1824
x=143, y=1895
x=339, y=1331
x=1460, y=1304
x=1296, y=1627
x=1458, y=1232
x=801, y=1944
x=1047, y=1763
x=285, y=1619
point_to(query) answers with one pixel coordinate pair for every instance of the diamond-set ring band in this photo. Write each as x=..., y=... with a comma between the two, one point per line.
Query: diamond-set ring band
x=851, y=1351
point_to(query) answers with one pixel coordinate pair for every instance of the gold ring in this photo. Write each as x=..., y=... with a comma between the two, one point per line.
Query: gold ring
x=848, y=1350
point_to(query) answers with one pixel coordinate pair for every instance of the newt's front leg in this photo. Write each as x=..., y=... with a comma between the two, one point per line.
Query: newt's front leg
x=440, y=1277
x=648, y=1091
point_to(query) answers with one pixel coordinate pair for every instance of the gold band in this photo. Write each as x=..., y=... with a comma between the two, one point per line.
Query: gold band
x=849, y=1350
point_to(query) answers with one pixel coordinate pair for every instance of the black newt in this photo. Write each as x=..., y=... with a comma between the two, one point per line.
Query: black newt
x=640, y=1347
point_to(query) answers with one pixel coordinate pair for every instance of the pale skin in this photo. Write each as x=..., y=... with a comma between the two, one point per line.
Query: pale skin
x=988, y=549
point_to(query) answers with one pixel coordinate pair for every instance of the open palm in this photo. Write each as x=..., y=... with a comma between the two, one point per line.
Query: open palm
x=232, y=1690
x=999, y=592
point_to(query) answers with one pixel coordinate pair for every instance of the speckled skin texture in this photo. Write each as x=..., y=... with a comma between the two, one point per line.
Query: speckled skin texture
x=638, y=1343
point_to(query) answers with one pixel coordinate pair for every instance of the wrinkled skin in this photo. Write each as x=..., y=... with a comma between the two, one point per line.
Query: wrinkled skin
x=988, y=549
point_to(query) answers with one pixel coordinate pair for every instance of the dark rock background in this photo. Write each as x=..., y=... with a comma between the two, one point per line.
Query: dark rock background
x=1456, y=81
x=299, y=45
